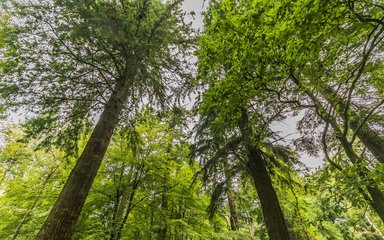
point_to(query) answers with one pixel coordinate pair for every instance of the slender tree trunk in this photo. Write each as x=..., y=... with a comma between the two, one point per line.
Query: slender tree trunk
x=377, y=197
x=162, y=233
x=120, y=201
x=374, y=227
x=118, y=234
x=30, y=209
x=273, y=215
x=231, y=202
x=130, y=205
x=367, y=135
x=4, y=175
x=232, y=210
x=115, y=213
x=62, y=219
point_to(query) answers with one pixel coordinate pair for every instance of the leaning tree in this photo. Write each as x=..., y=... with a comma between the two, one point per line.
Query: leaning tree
x=74, y=63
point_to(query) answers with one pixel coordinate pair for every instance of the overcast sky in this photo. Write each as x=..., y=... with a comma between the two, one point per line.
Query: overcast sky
x=286, y=128
x=197, y=6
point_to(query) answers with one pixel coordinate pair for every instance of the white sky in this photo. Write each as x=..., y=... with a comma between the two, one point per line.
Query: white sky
x=286, y=128
x=197, y=6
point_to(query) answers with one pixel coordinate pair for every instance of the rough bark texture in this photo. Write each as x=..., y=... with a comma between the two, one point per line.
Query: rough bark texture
x=377, y=200
x=369, y=138
x=273, y=215
x=62, y=219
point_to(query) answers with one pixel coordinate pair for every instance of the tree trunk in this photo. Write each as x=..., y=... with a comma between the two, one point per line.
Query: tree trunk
x=273, y=215
x=62, y=219
x=3, y=177
x=377, y=197
x=162, y=233
x=129, y=206
x=232, y=210
x=231, y=202
x=377, y=200
x=367, y=136
x=30, y=209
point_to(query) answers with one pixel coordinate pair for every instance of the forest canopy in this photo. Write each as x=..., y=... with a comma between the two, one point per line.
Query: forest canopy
x=121, y=120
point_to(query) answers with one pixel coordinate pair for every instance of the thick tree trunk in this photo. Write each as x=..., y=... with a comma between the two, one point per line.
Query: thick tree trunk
x=377, y=200
x=62, y=219
x=273, y=215
x=367, y=135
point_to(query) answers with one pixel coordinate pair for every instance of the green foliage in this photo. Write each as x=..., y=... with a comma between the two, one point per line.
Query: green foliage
x=322, y=60
x=29, y=182
x=134, y=179
x=65, y=58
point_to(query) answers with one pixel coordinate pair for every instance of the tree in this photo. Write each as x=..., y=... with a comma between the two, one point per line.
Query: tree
x=126, y=201
x=305, y=53
x=36, y=175
x=76, y=55
x=228, y=103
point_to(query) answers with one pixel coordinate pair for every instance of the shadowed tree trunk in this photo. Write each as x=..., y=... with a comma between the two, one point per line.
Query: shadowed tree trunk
x=232, y=210
x=62, y=219
x=273, y=215
x=231, y=202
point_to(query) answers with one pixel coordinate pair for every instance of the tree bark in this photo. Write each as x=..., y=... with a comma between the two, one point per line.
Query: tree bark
x=62, y=219
x=273, y=215
x=234, y=221
x=232, y=211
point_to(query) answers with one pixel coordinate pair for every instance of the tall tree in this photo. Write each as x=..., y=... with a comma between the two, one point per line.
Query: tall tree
x=230, y=108
x=78, y=58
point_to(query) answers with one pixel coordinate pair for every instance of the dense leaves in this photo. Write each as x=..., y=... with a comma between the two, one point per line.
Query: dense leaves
x=224, y=169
